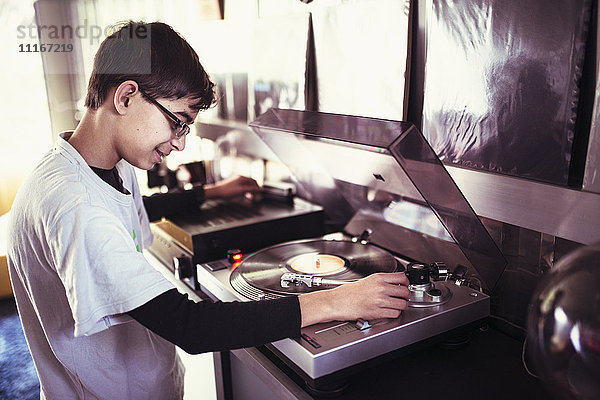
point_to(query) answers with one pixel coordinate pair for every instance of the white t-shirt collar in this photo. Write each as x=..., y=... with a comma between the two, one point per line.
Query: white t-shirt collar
x=63, y=145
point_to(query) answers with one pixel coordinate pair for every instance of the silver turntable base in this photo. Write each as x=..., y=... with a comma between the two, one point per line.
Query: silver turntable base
x=327, y=348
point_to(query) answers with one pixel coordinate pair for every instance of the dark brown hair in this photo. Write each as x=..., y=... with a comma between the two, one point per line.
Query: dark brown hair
x=162, y=63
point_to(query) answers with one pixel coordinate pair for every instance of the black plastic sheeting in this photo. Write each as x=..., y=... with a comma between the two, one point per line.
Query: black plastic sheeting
x=502, y=84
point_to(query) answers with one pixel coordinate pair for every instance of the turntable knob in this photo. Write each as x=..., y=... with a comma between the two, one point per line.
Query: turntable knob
x=435, y=295
x=439, y=271
x=417, y=273
x=182, y=267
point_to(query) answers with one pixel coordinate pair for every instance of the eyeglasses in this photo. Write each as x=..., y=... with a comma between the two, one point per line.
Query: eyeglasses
x=182, y=128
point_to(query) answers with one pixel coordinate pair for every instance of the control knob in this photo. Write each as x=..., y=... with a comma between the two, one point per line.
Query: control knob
x=421, y=274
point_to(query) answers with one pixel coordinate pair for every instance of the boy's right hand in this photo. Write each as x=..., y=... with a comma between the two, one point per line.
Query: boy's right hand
x=381, y=295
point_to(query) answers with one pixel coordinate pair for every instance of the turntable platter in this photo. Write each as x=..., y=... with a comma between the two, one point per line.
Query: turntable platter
x=334, y=259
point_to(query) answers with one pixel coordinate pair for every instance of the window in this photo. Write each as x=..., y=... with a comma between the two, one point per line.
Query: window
x=25, y=133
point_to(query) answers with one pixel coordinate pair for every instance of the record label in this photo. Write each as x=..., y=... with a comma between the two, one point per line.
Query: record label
x=316, y=263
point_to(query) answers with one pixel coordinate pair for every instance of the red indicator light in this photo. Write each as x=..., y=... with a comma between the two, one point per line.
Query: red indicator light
x=234, y=255
x=235, y=265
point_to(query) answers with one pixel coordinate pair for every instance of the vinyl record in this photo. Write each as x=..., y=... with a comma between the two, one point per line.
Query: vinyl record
x=333, y=259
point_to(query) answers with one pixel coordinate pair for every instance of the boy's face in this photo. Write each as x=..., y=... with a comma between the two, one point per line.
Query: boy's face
x=148, y=133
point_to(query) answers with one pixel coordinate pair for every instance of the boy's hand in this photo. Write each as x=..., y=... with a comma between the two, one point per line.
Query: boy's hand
x=231, y=187
x=381, y=295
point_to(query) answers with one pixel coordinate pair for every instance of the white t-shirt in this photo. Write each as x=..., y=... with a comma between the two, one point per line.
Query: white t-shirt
x=74, y=255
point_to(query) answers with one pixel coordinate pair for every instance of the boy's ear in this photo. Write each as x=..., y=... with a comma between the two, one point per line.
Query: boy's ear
x=123, y=95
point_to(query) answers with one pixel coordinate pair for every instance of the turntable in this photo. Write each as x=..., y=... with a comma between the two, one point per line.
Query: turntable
x=395, y=208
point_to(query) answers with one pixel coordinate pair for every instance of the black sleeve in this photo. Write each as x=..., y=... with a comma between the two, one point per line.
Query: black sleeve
x=205, y=326
x=166, y=204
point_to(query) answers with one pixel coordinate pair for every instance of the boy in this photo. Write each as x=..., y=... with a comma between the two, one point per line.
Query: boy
x=99, y=320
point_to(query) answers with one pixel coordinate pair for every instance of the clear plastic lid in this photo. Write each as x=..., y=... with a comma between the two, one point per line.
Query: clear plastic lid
x=382, y=176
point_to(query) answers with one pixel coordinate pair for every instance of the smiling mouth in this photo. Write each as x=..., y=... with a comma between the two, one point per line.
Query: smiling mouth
x=160, y=153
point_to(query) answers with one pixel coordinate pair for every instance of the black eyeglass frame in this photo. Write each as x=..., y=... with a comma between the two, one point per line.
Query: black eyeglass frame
x=184, y=128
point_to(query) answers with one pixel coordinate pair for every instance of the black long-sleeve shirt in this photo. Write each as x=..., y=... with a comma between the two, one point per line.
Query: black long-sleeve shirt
x=205, y=326
x=166, y=204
